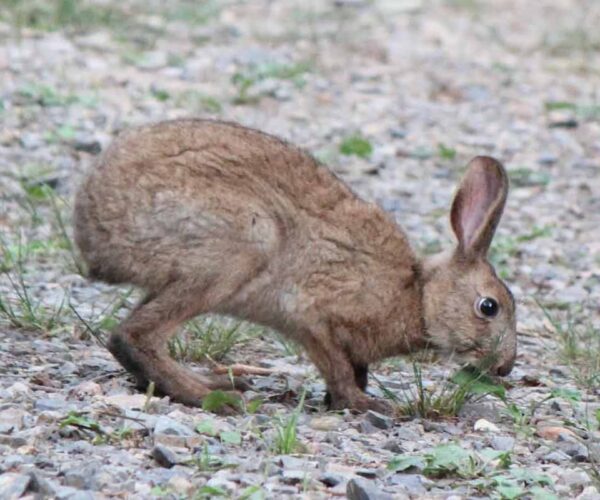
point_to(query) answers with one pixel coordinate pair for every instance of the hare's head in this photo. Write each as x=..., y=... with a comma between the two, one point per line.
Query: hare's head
x=468, y=310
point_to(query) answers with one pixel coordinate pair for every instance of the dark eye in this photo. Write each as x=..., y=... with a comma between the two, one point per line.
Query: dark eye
x=487, y=307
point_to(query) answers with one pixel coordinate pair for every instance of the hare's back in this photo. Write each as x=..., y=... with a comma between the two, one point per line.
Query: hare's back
x=195, y=194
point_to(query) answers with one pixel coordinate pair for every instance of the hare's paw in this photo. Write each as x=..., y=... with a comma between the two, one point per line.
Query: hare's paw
x=361, y=403
x=225, y=382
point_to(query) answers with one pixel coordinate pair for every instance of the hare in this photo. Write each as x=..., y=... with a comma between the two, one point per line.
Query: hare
x=209, y=216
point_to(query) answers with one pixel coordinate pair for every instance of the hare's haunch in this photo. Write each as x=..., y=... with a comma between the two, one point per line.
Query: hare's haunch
x=208, y=216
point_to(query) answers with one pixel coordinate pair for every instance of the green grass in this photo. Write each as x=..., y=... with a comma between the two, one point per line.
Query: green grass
x=52, y=15
x=446, y=152
x=356, y=145
x=48, y=96
x=446, y=400
x=210, y=339
x=197, y=102
x=483, y=471
x=526, y=177
x=19, y=307
x=506, y=247
x=245, y=79
x=579, y=342
x=286, y=437
x=590, y=111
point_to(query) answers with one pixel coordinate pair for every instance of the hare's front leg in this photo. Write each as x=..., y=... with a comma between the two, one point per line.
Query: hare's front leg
x=346, y=381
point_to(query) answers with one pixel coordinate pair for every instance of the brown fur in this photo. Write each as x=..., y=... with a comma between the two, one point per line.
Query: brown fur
x=209, y=216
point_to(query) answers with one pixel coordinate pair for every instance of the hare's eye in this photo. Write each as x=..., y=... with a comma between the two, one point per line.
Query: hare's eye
x=486, y=307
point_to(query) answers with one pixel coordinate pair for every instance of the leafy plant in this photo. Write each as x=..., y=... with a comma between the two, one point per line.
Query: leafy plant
x=463, y=386
x=580, y=346
x=356, y=145
x=245, y=79
x=286, y=439
x=207, y=339
x=217, y=401
x=22, y=310
x=525, y=177
x=445, y=152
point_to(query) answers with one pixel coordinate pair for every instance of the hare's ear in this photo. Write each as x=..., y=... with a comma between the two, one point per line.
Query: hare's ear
x=478, y=206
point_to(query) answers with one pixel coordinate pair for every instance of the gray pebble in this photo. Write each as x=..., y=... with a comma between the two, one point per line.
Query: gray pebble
x=502, y=443
x=379, y=420
x=361, y=489
x=293, y=476
x=329, y=479
x=556, y=457
x=13, y=485
x=50, y=404
x=412, y=483
x=164, y=456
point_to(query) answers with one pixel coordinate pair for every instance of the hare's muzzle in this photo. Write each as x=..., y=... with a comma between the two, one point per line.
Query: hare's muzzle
x=505, y=368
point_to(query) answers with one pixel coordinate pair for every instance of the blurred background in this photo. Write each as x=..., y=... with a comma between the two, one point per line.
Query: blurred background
x=395, y=96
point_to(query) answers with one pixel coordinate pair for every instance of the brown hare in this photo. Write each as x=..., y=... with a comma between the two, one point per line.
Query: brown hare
x=207, y=216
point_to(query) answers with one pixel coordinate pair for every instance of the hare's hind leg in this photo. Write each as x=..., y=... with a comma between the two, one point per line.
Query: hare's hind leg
x=140, y=343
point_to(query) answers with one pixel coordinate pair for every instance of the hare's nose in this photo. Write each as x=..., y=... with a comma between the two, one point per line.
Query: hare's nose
x=506, y=368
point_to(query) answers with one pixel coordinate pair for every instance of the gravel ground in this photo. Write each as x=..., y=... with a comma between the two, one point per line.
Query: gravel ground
x=427, y=85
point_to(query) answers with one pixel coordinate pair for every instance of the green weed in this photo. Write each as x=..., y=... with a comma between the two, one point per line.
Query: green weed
x=205, y=339
x=584, y=111
x=505, y=247
x=48, y=96
x=21, y=309
x=196, y=102
x=486, y=471
x=58, y=14
x=525, y=177
x=245, y=79
x=356, y=145
x=446, y=153
x=579, y=346
x=446, y=401
x=286, y=439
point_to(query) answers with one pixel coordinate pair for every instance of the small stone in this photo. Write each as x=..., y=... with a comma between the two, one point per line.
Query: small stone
x=13, y=485
x=222, y=483
x=12, y=419
x=485, y=426
x=574, y=478
x=18, y=389
x=169, y=432
x=12, y=441
x=327, y=423
x=79, y=478
x=50, y=404
x=394, y=446
x=368, y=473
x=361, y=489
x=577, y=451
x=445, y=427
x=502, y=443
x=164, y=456
x=556, y=457
x=589, y=493
x=329, y=479
x=40, y=484
x=379, y=420
x=293, y=476
x=86, y=389
x=366, y=427
x=553, y=432
x=412, y=483
x=180, y=485
x=87, y=144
